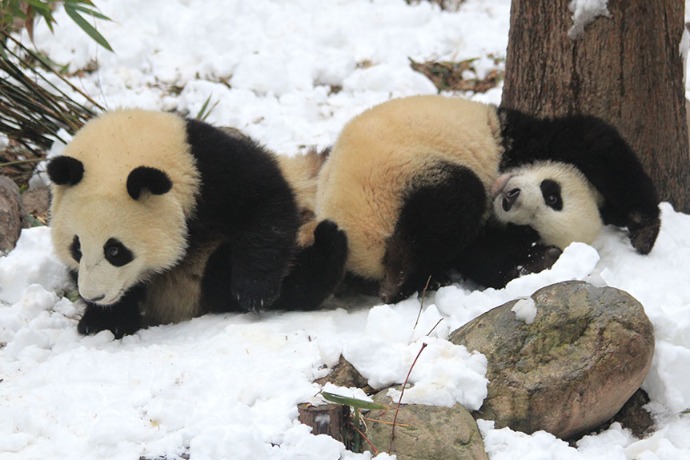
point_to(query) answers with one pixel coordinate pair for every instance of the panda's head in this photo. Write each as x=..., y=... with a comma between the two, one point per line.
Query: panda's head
x=122, y=194
x=555, y=199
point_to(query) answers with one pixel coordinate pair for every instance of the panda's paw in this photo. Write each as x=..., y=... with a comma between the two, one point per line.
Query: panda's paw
x=254, y=294
x=391, y=295
x=398, y=286
x=97, y=319
x=330, y=241
x=643, y=232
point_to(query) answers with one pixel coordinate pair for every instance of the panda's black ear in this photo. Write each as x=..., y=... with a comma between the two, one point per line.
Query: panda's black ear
x=64, y=170
x=149, y=179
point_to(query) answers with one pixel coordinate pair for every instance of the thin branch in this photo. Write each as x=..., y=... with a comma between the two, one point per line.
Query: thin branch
x=367, y=440
x=421, y=302
x=402, y=392
x=435, y=325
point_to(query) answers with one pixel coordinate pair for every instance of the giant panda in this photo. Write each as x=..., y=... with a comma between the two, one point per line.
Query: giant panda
x=161, y=218
x=424, y=185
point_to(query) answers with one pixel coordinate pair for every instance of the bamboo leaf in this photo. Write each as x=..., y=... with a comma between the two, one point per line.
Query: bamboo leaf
x=90, y=11
x=204, y=112
x=42, y=8
x=86, y=27
x=352, y=402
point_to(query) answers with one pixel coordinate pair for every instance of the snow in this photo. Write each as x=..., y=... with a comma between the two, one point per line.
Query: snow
x=227, y=386
x=584, y=13
x=525, y=310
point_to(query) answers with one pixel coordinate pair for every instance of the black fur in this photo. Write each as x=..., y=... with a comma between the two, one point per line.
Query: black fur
x=317, y=270
x=247, y=203
x=314, y=275
x=598, y=150
x=146, y=178
x=216, y=294
x=503, y=253
x=64, y=170
x=75, y=248
x=121, y=319
x=436, y=223
x=247, y=206
x=117, y=253
x=551, y=192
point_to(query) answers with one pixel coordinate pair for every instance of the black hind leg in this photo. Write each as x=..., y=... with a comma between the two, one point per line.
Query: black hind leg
x=437, y=221
x=317, y=271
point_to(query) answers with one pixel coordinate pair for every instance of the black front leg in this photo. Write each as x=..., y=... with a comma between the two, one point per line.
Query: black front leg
x=246, y=202
x=503, y=253
x=122, y=318
x=261, y=252
x=257, y=276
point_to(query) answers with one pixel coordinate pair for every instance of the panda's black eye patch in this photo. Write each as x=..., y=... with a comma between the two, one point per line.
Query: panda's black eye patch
x=75, y=248
x=551, y=191
x=117, y=253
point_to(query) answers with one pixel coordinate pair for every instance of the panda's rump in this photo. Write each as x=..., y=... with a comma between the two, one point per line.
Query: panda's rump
x=363, y=201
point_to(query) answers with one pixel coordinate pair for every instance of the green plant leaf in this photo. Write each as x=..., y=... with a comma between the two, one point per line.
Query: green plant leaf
x=91, y=31
x=43, y=8
x=204, y=111
x=90, y=11
x=352, y=402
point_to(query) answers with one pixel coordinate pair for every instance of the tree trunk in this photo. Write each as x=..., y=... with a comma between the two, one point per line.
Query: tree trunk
x=626, y=69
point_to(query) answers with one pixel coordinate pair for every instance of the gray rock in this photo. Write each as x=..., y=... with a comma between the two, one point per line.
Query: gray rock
x=36, y=204
x=10, y=214
x=425, y=432
x=586, y=353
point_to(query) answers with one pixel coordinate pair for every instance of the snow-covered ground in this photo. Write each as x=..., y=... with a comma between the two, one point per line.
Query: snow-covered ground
x=227, y=386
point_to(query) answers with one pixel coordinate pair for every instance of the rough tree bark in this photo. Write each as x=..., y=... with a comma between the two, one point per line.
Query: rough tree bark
x=625, y=68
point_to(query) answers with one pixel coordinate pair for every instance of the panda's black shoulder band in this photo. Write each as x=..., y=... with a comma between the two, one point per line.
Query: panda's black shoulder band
x=147, y=178
x=65, y=170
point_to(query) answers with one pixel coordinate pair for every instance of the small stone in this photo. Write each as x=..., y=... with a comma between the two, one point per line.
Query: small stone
x=345, y=375
x=635, y=417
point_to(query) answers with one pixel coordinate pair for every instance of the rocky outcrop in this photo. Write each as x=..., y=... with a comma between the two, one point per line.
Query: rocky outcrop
x=567, y=369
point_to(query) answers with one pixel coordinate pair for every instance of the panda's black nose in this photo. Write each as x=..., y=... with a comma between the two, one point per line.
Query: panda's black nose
x=509, y=198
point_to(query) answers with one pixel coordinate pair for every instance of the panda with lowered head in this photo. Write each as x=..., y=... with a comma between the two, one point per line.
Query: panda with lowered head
x=428, y=184
x=161, y=219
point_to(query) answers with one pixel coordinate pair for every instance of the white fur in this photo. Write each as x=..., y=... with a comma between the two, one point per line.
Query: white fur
x=579, y=220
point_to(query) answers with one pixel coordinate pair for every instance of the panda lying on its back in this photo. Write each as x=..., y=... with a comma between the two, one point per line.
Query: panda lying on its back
x=413, y=182
x=161, y=219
